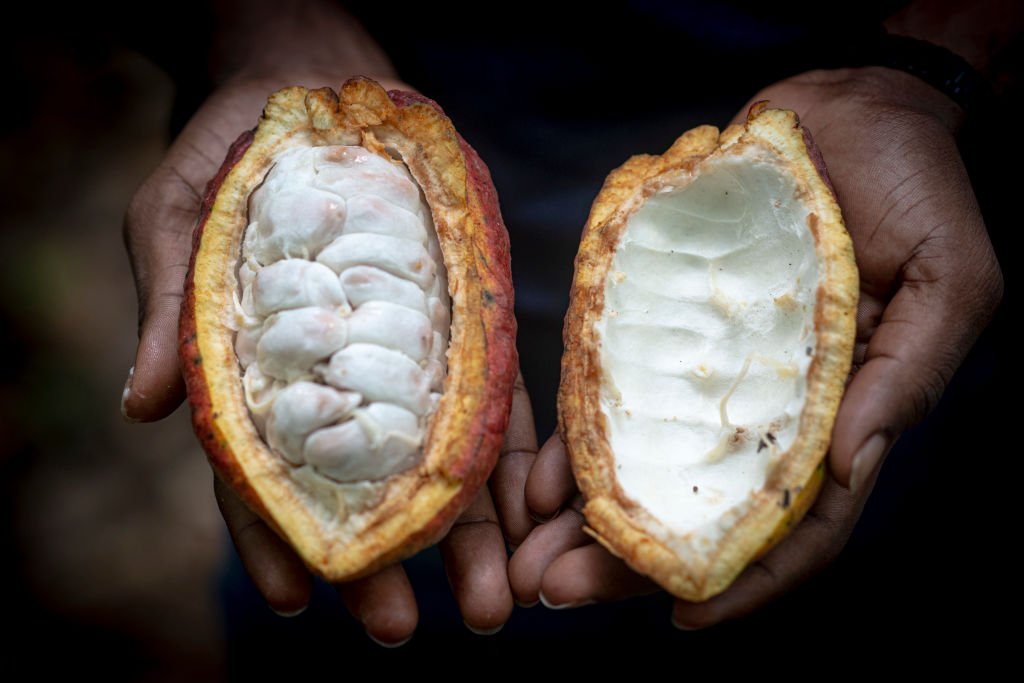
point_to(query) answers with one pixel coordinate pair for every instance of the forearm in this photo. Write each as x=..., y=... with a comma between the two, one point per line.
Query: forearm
x=291, y=41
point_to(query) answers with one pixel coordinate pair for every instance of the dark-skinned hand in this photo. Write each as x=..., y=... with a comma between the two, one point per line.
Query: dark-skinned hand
x=158, y=233
x=929, y=284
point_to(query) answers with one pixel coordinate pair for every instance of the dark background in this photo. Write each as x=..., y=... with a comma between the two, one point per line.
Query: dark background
x=116, y=559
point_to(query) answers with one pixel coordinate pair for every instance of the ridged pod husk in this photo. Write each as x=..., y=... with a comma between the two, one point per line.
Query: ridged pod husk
x=622, y=524
x=339, y=537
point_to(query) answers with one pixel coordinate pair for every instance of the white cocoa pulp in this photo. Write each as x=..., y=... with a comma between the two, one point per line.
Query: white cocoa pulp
x=344, y=313
x=707, y=336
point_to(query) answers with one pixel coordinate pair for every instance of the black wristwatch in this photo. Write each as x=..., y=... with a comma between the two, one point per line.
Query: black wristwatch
x=942, y=69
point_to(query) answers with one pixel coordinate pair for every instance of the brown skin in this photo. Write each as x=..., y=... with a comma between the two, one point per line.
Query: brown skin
x=316, y=46
x=930, y=283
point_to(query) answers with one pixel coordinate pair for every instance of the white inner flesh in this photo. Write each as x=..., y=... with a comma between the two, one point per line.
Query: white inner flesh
x=707, y=337
x=344, y=313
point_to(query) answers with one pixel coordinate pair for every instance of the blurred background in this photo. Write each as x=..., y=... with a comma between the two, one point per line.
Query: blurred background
x=115, y=556
x=111, y=533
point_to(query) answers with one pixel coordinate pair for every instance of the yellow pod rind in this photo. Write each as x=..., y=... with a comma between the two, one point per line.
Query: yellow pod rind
x=623, y=525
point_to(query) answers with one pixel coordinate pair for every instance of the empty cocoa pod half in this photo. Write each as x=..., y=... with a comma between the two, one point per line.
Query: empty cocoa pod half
x=707, y=343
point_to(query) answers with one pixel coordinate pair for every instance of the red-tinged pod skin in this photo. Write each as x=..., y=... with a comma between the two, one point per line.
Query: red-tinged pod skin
x=343, y=532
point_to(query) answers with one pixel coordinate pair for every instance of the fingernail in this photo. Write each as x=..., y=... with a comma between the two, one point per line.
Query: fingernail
x=126, y=393
x=542, y=520
x=867, y=460
x=547, y=603
x=390, y=646
x=485, y=631
x=289, y=614
x=527, y=605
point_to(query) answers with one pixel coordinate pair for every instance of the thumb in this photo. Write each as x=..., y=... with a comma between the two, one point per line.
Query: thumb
x=158, y=234
x=905, y=371
x=923, y=335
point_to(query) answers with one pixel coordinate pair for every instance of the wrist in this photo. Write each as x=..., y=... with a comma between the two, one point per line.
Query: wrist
x=942, y=69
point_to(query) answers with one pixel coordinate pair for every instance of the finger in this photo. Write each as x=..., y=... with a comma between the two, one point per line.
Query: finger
x=384, y=604
x=812, y=546
x=550, y=483
x=909, y=360
x=542, y=547
x=590, y=574
x=508, y=482
x=477, y=567
x=158, y=230
x=273, y=566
